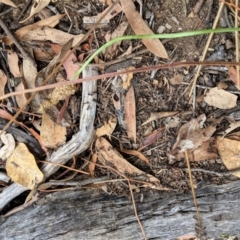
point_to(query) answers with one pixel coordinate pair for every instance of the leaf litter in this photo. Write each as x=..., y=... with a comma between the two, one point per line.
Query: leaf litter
x=124, y=103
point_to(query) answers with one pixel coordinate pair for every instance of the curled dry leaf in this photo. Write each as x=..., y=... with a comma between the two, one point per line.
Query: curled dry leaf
x=12, y=58
x=208, y=150
x=232, y=74
x=118, y=32
x=37, y=6
x=220, y=98
x=135, y=153
x=191, y=135
x=107, y=155
x=21, y=167
x=107, y=128
x=70, y=65
x=8, y=2
x=9, y=145
x=3, y=81
x=229, y=152
x=52, y=134
x=130, y=114
x=232, y=126
x=141, y=28
x=157, y=115
x=51, y=34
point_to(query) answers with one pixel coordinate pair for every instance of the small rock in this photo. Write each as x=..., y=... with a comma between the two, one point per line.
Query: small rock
x=161, y=29
x=168, y=26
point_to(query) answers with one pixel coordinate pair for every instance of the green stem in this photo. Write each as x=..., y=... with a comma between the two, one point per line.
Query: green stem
x=152, y=36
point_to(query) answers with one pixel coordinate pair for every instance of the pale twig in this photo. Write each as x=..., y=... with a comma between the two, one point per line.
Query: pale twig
x=194, y=194
x=206, y=48
x=237, y=43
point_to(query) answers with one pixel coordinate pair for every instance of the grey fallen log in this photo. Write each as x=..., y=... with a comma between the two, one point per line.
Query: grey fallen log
x=93, y=215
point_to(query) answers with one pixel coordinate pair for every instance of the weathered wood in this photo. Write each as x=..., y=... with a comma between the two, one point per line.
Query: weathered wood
x=92, y=215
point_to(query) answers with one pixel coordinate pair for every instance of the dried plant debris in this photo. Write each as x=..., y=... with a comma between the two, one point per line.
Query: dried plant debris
x=107, y=155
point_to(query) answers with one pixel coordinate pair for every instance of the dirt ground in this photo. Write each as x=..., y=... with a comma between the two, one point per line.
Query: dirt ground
x=153, y=90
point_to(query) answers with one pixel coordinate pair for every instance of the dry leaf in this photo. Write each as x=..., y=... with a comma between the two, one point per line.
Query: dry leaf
x=176, y=79
x=107, y=128
x=92, y=164
x=135, y=153
x=8, y=2
x=118, y=32
x=115, y=11
x=130, y=114
x=70, y=65
x=107, y=155
x=8, y=145
x=29, y=72
x=229, y=153
x=204, y=152
x=20, y=98
x=191, y=135
x=21, y=167
x=52, y=134
x=232, y=126
x=3, y=81
x=232, y=74
x=157, y=115
x=220, y=98
x=141, y=28
x=51, y=34
x=127, y=78
x=37, y=6
x=12, y=59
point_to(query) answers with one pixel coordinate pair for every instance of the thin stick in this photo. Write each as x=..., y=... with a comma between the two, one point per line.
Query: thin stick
x=135, y=211
x=193, y=193
x=107, y=75
x=237, y=43
x=18, y=45
x=206, y=47
x=57, y=68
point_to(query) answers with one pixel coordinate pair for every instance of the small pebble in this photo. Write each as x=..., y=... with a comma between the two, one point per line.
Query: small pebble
x=161, y=29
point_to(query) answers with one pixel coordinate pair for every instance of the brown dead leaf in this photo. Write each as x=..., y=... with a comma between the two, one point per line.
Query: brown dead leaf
x=118, y=32
x=51, y=34
x=141, y=28
x=21, y=167
x=191, y=135
x=107, y=155
x=157, y=115
x=176, y=79
x=12, y=59
x=232, y=74
x=232, y=126
x=130, y=114
x=70, y=65
x=222, y=85
x=127, y=78
x=108, y=2
x=229, y=153
x=37, y=6
x=3, y=81
x=135, y=153
x=92, y=164
x=52, y=134
x=29, y=73
x=107, y=128
x=115, y=11
x=220, y=98
x=8, y=2
x=204, y=152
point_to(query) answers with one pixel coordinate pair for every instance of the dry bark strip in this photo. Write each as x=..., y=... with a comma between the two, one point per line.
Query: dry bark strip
x=79, y=142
